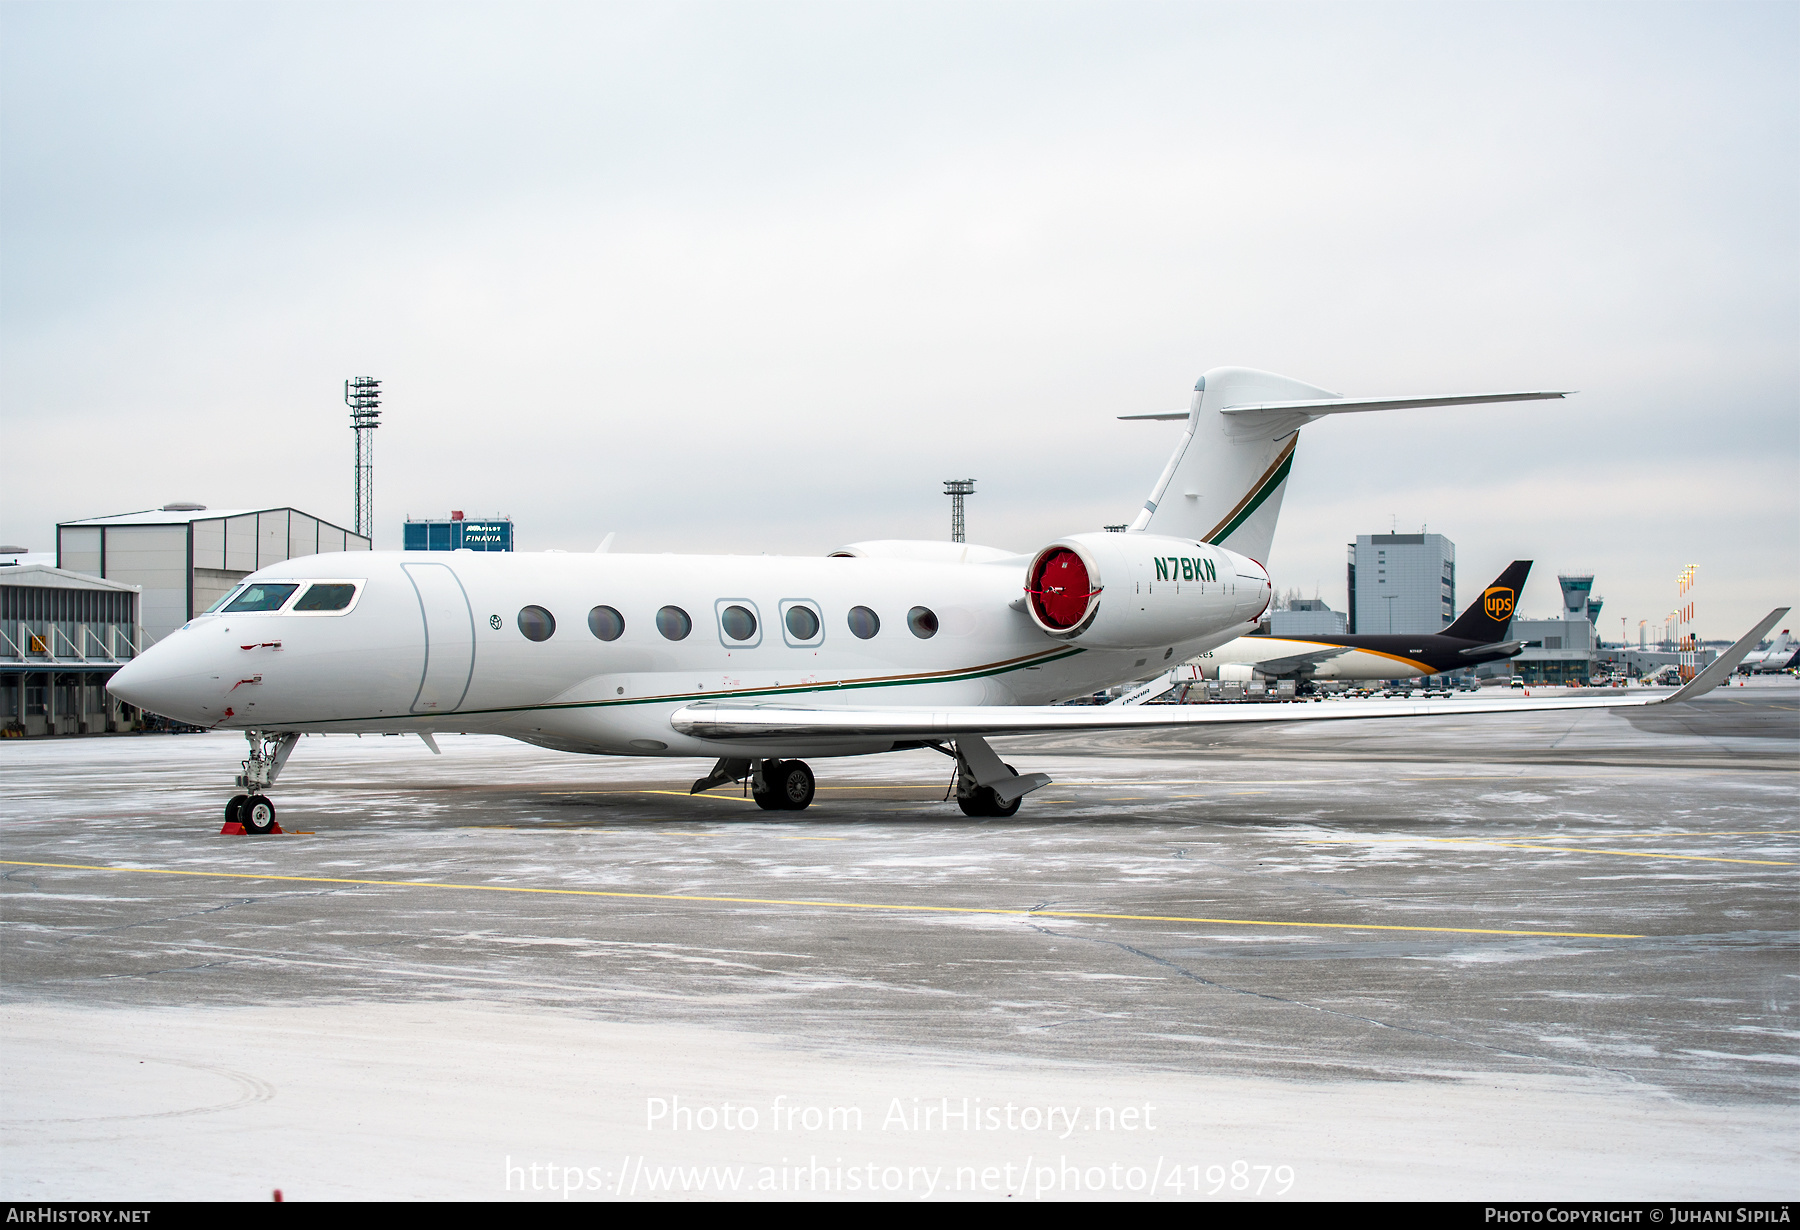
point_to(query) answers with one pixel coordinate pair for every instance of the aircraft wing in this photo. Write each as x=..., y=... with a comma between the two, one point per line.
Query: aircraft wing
x=725, y=721
x=1299, y=661
x=728, y=721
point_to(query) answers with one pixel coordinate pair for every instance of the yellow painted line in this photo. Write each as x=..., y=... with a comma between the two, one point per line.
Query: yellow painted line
x=1284, y=781
x=712, y=794
x=825, y=905
x=1723, y=833
x=578, y=828
x=1489, y=777
x=1514, y=845
x=893, y=786
x=680, y=794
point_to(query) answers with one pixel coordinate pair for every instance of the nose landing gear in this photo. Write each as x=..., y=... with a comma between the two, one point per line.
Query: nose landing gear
x=268, y=753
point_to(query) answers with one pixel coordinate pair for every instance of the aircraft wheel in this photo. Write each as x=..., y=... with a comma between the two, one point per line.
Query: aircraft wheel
x=984, y=802
x=257, y=814
x=792, y=781
x=234, y=809
x=767, y=797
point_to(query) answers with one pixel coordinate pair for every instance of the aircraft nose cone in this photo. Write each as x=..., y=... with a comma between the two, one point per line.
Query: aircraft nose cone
x=132, y=683
x=172, y=678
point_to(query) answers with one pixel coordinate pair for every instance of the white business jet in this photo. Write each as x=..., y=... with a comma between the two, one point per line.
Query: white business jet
x=757, y=661
x=1782, y=653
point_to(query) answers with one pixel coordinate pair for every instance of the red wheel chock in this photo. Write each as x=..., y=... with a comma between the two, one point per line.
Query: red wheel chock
x=233, y=828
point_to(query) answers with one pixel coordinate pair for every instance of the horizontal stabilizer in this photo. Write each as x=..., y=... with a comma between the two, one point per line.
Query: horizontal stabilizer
x=1354, y=405
x=1317, y=407
x=1502, y=648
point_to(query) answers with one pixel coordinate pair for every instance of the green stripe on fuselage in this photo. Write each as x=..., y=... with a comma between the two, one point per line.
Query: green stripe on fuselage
x=959, y=676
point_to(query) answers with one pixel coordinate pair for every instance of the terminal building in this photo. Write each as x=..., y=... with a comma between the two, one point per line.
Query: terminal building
x=184, y=557
x=1401, y=583
x=62, y=635
x=459, y=534
x=1562, y=649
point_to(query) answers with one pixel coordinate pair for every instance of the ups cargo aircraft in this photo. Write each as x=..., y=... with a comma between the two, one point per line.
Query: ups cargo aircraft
x=757, y=661
x=1477, y=636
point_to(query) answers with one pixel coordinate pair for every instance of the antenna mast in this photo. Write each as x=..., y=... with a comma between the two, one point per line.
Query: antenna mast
x=363, y=395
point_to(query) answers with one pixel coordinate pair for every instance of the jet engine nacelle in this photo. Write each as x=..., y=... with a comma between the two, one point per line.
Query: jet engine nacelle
x=1141, y=591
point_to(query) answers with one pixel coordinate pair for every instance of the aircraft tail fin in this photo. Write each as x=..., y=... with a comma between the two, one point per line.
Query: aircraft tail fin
x=1225, y=482
x=1489, y=616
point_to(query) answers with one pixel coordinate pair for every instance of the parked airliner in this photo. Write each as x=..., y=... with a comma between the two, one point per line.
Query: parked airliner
x=1782, y=654
x=1478, y=636
x=757, y=661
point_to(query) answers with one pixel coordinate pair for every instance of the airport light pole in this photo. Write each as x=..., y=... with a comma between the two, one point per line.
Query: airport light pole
x=363, y=395
x=957, y=489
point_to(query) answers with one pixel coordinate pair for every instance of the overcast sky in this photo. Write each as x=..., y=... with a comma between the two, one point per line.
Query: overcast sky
x=759, y=276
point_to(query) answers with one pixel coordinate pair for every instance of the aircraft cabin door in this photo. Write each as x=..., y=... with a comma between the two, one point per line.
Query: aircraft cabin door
x=449, y=637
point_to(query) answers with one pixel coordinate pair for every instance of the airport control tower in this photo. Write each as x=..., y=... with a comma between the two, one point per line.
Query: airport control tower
x=1575, y=591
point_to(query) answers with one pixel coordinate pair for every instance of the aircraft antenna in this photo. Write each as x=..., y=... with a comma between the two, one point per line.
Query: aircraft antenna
x=957, y=489
x=363, y=395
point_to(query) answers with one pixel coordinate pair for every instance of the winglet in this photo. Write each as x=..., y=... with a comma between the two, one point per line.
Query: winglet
x=1727, y=662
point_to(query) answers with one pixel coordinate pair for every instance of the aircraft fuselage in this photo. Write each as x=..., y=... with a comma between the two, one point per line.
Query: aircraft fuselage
x=444, y=641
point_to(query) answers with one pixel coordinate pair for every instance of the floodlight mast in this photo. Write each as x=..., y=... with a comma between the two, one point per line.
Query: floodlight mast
x=363, y=395
x=956, y=489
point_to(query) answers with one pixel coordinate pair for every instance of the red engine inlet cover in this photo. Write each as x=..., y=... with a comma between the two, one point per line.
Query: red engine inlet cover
x=1060, y=588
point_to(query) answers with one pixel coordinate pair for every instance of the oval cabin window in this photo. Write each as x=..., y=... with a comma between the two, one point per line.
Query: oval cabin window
x=673, y=623
x=536, y=623
x=864, y=623
x=606, y=623
x=802, y=623
x=738, y=622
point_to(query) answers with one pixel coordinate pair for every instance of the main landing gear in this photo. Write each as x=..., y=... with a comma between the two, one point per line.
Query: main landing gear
x=976, y=800
x=985, y=787
x=782, y=785
x=268, y=753
x=776, y=785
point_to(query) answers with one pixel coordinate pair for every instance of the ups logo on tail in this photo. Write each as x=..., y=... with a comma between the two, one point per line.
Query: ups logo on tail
x=1498, y=603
